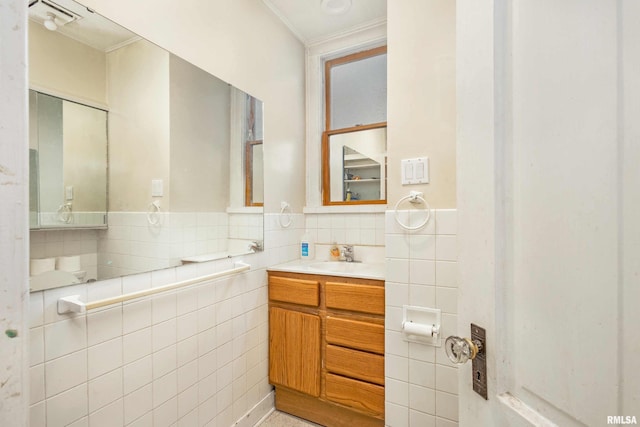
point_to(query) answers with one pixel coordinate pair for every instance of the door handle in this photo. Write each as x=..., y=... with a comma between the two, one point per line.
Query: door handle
x=461, y=350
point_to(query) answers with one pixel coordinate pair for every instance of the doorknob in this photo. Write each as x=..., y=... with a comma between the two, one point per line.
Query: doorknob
x=460, y=350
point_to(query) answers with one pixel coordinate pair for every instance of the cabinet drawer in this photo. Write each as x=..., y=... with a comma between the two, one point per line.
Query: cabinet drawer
x=297, y=291
x=355, y=364
x=349, y=296
x=355, y=394
x=355, y=334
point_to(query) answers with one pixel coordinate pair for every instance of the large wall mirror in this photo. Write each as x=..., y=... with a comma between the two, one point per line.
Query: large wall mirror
x=139, y=160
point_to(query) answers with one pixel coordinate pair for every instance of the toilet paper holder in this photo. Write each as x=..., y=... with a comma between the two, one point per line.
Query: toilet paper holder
x=421, y=325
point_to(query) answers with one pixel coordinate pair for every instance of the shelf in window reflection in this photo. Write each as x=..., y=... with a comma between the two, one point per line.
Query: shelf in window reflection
x=370, y=165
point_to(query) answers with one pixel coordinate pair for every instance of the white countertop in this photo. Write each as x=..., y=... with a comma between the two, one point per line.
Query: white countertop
x=362, y=270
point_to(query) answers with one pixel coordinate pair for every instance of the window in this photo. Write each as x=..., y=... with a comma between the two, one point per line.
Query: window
x=253, y=162
x=354, y=139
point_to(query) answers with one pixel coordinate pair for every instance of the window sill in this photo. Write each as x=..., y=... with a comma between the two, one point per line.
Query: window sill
x=246, y=210
x=345, y=209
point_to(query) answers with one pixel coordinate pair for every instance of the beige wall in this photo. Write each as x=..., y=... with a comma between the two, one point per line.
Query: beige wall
x=85, y=156
x=138, y=125
x=242, y=43
x=50, y=54
x=421, y=96
x=199, y=139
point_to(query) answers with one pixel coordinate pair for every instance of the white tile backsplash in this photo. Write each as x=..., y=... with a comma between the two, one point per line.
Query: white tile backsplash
x=425, y=262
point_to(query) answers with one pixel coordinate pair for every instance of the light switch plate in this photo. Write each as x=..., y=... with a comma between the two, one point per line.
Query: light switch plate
x=415, y=171
x=157, y=189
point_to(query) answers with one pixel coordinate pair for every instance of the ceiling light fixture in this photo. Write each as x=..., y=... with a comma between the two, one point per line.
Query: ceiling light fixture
x=50, y=22
x=335, y=7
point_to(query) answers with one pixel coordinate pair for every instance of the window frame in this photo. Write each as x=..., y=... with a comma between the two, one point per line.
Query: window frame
x=327, y=131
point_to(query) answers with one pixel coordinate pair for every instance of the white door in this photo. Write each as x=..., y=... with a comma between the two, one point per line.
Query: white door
x=549, y=209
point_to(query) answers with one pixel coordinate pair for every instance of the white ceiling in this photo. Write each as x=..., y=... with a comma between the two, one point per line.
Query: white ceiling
x=307, y=20
x=87, y=27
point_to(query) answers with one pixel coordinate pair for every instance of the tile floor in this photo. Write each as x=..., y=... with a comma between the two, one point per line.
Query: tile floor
x=280, y=419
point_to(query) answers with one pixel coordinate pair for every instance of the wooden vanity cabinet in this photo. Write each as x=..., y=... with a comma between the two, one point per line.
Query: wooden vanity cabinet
x=326, y=348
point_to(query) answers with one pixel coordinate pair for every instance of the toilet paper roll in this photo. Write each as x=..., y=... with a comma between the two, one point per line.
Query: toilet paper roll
x=68, y=263
x=41, y=265
x=418, y=329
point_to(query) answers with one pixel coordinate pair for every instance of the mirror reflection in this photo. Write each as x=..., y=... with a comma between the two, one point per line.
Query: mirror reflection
x=254, y=179
x=68, y=143
x=176, y=135
x=357, y=165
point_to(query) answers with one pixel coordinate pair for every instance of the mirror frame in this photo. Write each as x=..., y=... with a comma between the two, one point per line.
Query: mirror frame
x=326, y=171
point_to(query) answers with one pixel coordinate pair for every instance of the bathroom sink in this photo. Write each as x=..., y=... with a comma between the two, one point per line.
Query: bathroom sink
x=349, y=268
x=363, y=270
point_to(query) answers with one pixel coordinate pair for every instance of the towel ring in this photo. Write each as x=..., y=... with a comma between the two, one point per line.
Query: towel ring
x=284, y=206
x=65, y=213
x=153, y=214
x=414, y=197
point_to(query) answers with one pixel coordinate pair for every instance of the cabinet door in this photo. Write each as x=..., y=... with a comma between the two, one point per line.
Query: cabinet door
x=294, y=350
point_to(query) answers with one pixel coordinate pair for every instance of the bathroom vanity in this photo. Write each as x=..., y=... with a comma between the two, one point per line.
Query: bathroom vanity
x=326, y=347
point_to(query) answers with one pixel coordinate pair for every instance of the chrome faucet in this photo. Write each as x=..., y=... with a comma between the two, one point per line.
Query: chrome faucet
x=347, y=253
x=255, y=246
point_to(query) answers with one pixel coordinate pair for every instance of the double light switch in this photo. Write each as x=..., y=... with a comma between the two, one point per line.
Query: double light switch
x=415, y=171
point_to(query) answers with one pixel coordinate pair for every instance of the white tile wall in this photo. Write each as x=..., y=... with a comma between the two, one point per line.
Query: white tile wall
x=131, y=245
x=192, y=357
x=366, y=229
x=421, y=384
x=199, y=356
